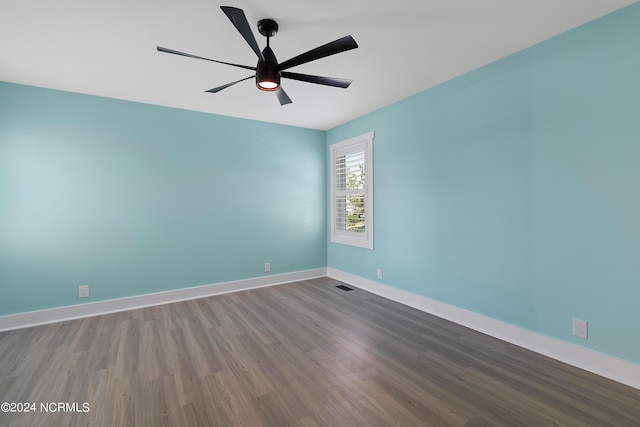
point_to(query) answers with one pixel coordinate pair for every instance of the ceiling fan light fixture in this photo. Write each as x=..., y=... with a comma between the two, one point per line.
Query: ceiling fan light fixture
x=268, y=86
x=268, y=83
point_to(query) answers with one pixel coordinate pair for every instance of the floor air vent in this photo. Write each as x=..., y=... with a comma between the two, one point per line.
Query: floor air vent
x=344, y=288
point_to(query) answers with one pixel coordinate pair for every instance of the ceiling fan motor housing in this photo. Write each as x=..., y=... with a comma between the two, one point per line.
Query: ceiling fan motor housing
x=267, y=73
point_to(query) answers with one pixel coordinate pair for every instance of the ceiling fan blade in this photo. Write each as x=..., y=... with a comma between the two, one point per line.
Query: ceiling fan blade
x=336, y=46
x=219, y=88
x=188, y=55
x=283, y=97
x=239, y=20
x=327, y=81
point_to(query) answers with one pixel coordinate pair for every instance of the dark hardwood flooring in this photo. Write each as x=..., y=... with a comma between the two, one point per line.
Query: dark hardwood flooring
x=300, y=354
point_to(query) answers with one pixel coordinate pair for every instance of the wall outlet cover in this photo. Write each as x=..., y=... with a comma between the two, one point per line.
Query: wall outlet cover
x=580, y=328
x=83, y=291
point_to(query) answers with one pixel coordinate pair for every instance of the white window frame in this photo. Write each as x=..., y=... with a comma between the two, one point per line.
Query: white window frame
x=353, y=145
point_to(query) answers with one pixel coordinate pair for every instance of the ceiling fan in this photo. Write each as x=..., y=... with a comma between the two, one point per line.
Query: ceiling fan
x=268, y=71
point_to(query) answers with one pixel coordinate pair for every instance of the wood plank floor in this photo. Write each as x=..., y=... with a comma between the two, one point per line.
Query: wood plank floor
x=300, y=354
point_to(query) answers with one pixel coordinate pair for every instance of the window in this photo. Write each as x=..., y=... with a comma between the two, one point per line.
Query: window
x=352, y=191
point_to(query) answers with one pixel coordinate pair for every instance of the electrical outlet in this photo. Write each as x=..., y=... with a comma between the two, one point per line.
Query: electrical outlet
x=580, y=328
x=380, y=274
x=83, y=291
x=267, y=267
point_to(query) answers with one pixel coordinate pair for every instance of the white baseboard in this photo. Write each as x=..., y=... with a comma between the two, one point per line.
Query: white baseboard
x=41, y=317
x=604, y=365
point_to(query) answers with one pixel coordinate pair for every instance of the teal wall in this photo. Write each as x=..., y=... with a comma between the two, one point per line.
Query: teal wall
x=514, y=190
x=132, y=199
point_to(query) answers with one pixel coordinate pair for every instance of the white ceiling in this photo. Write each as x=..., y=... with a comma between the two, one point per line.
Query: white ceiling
x=108, y=48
